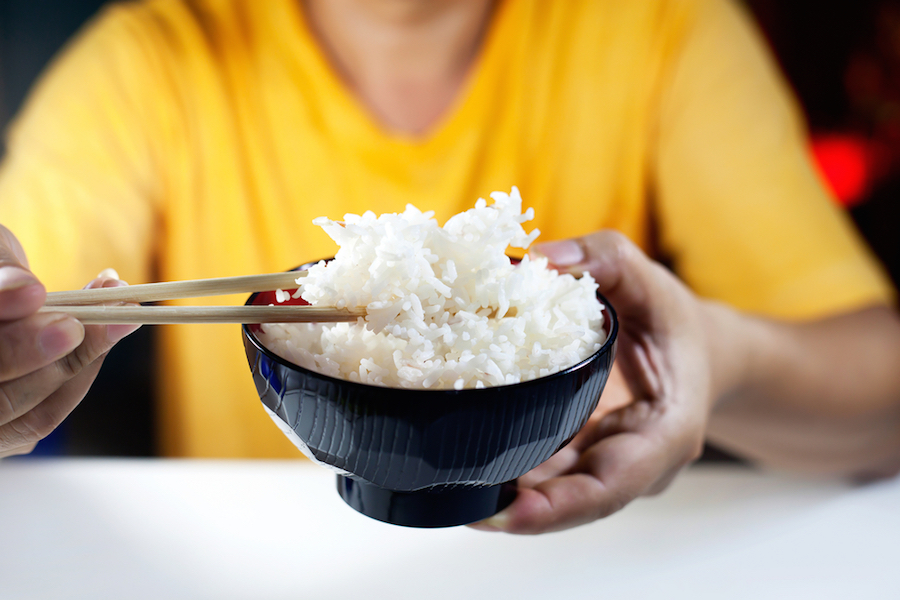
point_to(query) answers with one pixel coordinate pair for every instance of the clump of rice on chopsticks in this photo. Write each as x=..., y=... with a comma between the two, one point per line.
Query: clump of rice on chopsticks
x=447, y=308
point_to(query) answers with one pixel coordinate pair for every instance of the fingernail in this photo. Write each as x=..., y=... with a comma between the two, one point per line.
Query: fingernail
x=496, y=522
x=481, y=526
x=106, y=279
x=114, y=333
x=563, y=253
x=13, y=278
x=61, y=337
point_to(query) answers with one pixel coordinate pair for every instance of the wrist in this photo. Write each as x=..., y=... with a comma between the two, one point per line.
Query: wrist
x=736, y=346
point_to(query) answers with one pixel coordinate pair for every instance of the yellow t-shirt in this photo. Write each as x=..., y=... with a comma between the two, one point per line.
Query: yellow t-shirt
x=179, y=139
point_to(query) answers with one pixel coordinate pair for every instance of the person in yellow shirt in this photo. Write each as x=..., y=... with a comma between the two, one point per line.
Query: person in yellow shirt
x=182, y=139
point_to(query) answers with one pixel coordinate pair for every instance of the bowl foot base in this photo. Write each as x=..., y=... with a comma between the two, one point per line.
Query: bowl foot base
x=435, y=507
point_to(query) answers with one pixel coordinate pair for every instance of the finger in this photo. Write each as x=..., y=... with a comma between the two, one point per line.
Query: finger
x=562, y=462
x=39, y=422
x=20, y=291
x=643, y=363
x=22, y=394
x=623, y=272
x=636, y=453
x=662, y=484
x=648, y=419
x=665, y=457
x=18, y=451
x=570, y=458
x=626, y=465
x=616, y=395
x=13, y=247
x=106, y=279
x=33, y=342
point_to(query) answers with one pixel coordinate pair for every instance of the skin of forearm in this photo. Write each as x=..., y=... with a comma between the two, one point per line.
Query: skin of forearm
x=818, y=397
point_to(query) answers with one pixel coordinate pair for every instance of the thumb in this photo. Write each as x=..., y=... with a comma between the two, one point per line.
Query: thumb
x=624, y=274
x=20, y=291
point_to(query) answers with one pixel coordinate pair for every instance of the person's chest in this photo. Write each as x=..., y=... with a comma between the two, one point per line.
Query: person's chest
x=551, y=107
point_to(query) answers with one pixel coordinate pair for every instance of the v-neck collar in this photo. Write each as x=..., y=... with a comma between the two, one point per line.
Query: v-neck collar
x=355, y=123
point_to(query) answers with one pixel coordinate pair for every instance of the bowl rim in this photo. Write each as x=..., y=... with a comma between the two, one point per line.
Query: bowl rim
x=611, y=338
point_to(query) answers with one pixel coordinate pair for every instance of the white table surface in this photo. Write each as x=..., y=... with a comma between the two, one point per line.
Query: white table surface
x=166, y=529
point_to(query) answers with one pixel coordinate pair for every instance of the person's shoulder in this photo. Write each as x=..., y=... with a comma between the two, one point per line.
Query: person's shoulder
x=607, y=10
x=177, y=23
x=612, y=21
x=200, y=11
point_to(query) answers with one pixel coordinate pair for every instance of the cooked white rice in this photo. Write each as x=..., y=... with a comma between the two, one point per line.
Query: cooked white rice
x=446, y=307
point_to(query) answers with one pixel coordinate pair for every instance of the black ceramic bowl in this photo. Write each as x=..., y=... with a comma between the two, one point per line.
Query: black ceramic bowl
x=427, y=458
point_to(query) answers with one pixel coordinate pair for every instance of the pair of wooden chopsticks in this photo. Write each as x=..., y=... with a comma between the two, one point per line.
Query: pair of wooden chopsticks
x=88, y=305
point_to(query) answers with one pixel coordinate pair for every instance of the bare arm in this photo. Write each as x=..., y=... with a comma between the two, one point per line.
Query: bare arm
x=822, y=396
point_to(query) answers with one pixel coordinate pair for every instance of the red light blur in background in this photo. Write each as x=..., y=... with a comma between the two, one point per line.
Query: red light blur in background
x=850, y=164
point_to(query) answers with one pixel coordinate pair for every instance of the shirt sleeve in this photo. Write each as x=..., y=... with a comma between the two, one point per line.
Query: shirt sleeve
x=742, y=211
x=79, y=184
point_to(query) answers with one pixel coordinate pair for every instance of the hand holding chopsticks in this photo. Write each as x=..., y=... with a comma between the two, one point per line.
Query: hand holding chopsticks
x=87, y=307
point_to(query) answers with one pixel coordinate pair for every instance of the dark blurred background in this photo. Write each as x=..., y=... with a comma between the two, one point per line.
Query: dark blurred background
x=841, y=56
x=116, y=418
